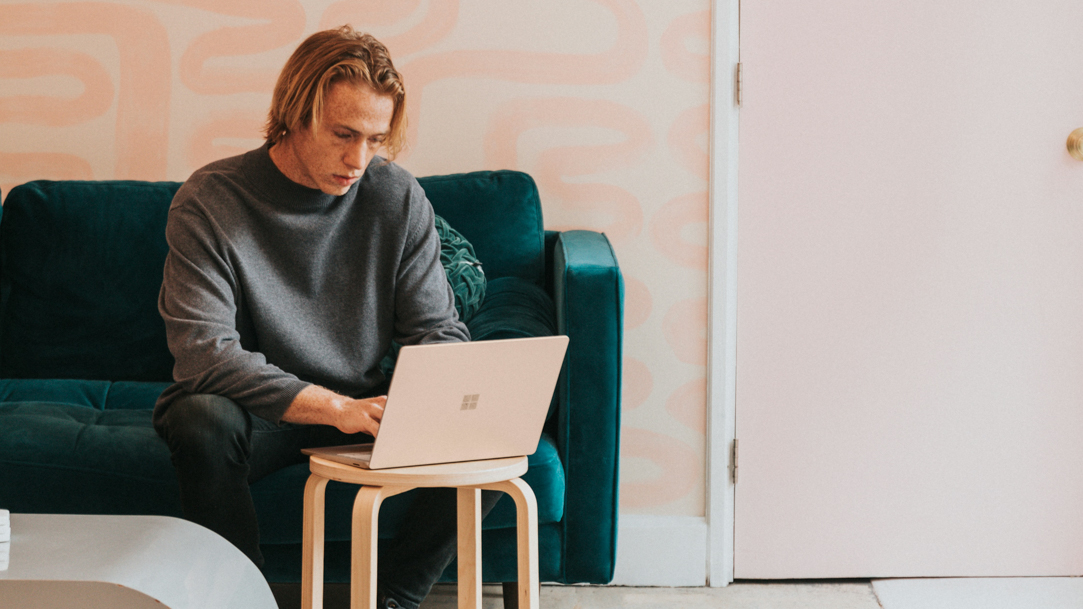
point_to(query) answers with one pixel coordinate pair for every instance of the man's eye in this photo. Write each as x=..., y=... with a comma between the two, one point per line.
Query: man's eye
x=344, y=136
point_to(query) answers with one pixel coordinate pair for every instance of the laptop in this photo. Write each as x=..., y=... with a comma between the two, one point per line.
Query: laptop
x=451, y=402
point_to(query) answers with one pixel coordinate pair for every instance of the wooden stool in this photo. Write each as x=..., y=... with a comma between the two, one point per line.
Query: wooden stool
x=469, y=478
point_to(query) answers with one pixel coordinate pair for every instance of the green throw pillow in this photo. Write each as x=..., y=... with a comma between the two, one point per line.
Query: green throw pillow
x=463, y=273
x=463, y=270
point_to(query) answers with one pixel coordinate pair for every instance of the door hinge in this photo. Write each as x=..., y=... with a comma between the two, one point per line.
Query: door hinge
x=735, y=461
x=737, y=85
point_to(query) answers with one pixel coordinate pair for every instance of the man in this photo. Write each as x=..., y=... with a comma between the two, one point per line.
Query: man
x=290, y=270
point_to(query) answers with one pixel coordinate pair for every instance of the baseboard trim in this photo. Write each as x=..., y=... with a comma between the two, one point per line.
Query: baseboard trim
x=661, y=551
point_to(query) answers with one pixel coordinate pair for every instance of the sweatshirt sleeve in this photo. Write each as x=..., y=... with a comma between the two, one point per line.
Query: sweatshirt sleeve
x=424, y=301
x=198, y=302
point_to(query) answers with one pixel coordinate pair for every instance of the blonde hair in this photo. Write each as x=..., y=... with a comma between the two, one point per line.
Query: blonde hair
x=326, y=58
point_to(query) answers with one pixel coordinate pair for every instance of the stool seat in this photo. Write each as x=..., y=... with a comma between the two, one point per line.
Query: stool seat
x=467, y=473
x=469, y=478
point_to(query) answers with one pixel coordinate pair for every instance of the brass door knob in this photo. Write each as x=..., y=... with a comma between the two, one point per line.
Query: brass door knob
x=1075, y=144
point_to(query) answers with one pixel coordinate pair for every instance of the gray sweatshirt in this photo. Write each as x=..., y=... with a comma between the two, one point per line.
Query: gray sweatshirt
x=270, y=286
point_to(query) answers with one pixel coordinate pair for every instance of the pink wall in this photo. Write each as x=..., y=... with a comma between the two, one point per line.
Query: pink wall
x=604, y=102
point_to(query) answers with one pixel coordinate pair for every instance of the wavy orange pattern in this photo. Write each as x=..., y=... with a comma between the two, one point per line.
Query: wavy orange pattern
x=143, y=95
x=239, y=124
x=686, y=404
x=685, y=327
x=15, y=167
x=667, y=228
x=437, y=22
x=637, y=382
x=681, y=465
x=689, y=65
x=637, y=302
x=367, y=13
x=94, y=101
x=671, y=219
x=617, y=64
x=601, y=206
x=279, y=23
x=614, y=65
x=687, y=138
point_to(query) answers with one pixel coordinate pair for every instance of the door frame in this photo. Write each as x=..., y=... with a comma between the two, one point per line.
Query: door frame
x=722, y=290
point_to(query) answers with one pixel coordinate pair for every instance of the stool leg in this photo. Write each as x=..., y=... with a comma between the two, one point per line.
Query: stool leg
x=363, y=560
x=526, y=519
x=312, y=544
x=469, y=560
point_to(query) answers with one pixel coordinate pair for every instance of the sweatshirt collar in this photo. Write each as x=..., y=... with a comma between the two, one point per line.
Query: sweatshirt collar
x=279, y=189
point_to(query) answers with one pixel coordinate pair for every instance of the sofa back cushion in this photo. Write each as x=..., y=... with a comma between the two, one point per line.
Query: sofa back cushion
x=500, y=213
x=81, y=267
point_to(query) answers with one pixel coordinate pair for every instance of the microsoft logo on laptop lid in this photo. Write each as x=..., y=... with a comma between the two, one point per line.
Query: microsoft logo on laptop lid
x=470, y=401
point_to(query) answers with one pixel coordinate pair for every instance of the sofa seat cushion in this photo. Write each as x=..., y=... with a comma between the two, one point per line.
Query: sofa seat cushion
x=100, y=395
x=76, y=459
x=64, y=458
x=280, y=502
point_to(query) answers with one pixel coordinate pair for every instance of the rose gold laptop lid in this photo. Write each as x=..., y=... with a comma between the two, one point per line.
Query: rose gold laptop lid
x=453, y=402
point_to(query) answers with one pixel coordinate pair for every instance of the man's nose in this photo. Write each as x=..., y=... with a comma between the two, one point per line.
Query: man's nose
x=357, y=156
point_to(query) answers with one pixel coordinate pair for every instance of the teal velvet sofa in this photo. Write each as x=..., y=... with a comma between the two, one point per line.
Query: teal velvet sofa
x=83, y=358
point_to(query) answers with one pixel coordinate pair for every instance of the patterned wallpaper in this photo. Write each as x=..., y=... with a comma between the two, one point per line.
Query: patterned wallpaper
x=604, y=102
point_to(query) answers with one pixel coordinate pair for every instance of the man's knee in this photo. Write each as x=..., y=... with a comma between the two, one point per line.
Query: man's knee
x=204, y=422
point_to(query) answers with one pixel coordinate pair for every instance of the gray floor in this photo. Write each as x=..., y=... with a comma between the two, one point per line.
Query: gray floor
x=849, y=595
x=739, y=595
x=928, y=593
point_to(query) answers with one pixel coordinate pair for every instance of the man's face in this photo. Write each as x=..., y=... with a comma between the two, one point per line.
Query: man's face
x=355, y=124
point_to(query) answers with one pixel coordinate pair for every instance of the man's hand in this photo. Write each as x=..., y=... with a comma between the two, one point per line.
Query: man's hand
x=318, y=406
x=362, y=415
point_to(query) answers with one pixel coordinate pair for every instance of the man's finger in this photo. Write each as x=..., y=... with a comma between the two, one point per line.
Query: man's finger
x=376, y=408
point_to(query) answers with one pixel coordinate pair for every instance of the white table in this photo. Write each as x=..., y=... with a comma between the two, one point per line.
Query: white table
x=90, y=562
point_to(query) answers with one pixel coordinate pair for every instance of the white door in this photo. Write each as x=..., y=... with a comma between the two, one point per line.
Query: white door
x=910, y=289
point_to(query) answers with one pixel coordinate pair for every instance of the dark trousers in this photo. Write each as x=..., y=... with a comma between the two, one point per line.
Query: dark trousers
x=219, y=449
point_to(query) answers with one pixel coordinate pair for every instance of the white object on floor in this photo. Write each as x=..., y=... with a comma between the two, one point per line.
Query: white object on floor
x=5, y=525
x=981, y=593
x=131, y=562
x=4, y=551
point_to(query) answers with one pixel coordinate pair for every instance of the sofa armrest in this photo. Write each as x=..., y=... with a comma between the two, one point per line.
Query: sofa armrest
x=589, y=294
